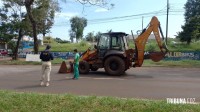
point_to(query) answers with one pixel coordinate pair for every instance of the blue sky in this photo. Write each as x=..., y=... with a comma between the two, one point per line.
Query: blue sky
x=122, y=8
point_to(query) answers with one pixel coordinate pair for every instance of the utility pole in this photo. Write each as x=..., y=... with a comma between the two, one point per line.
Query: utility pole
x=167, y=20
x=142, y=22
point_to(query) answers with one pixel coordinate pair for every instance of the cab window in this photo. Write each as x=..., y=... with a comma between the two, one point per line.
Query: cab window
x=104, y=42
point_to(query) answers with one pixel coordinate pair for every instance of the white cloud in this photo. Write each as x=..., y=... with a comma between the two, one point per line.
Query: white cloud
x=101, y=10
x=63, y=18
x=66, y=15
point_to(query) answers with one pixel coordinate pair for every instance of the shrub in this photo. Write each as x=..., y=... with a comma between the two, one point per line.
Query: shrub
x=83, y=43
x=151, y=47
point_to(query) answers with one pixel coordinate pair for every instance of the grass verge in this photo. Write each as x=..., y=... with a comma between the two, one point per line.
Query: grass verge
x=181, y=63
x=33, y=102
x=56, y=47
x=23, y=62
x=148, y=63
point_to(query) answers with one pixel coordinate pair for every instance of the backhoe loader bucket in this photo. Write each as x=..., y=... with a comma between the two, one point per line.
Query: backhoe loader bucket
x=156, y=56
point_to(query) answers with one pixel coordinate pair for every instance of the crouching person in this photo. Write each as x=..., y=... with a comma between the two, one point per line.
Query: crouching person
x=46, y=57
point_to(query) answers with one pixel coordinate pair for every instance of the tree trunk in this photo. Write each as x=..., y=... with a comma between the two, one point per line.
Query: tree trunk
x=43, y=34
x=33, y=23
x=15, y=55
x=188, y=42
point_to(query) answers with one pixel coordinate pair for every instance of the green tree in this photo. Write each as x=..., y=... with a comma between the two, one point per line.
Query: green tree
x=77, y=26
x=29, y=10
x=192, y=8
x=37, y=11
x=100, y=3
x=191, y=29
x=38, y=18
x=45, y=13
x=90, y=37
x=6, y=32
x=93, y=38
x=72, y=36
x=97, y=36
x=59, y=40
x=12, y=46
x=48, y=39
x=12, y=21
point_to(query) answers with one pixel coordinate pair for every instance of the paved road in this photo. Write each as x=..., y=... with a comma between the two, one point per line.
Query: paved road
x=144, y=82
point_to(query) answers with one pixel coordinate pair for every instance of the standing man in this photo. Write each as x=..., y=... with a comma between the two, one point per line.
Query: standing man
x=76, y=64
x=46, y=57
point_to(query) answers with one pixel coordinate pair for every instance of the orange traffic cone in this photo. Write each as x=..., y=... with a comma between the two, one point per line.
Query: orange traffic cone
x=65, y=68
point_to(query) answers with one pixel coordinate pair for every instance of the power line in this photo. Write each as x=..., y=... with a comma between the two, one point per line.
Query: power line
x=142, y=14
x=118, y=20
x=127, y=17
x=130, y=17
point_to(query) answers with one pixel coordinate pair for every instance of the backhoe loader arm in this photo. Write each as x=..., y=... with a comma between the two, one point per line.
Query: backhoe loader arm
x=140, y=41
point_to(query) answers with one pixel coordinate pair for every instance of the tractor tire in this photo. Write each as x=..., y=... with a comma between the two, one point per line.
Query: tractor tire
x=94, y=68
x=114, y=65
x=84, y=67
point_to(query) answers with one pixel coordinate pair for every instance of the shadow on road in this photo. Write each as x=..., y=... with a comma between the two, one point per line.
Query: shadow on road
x=102, y=74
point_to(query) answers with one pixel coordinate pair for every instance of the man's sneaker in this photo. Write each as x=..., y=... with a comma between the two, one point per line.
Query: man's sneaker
x=42, y=83
x=47, y=84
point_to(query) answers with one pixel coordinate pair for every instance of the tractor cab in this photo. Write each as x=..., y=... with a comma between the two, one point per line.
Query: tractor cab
x=112, y=42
